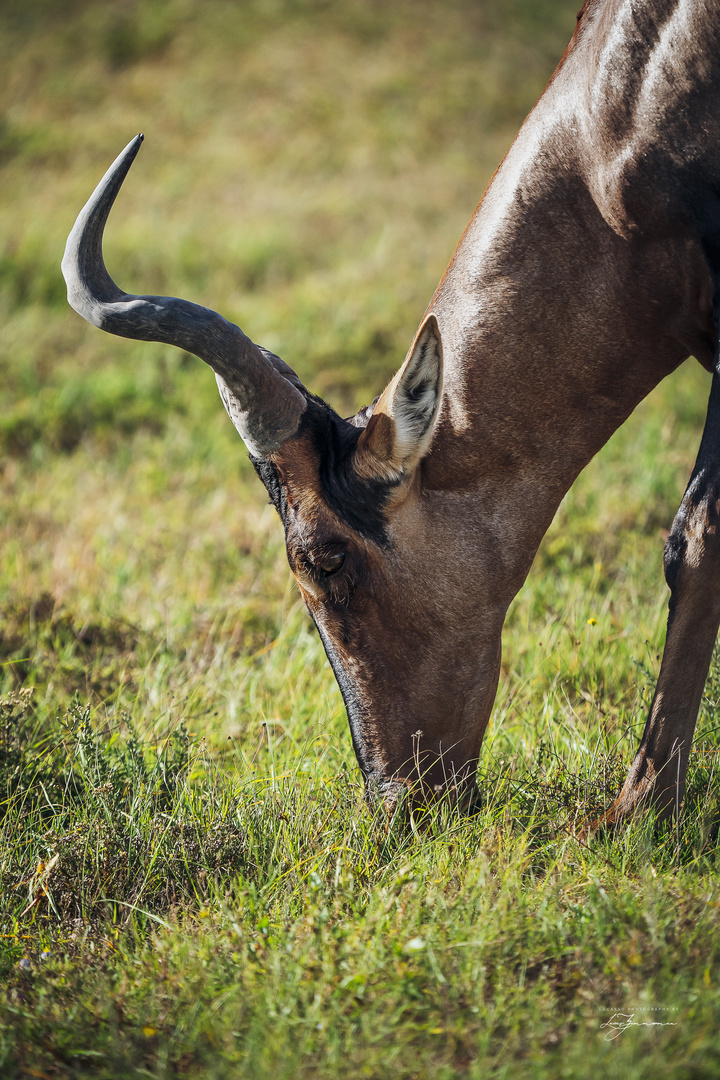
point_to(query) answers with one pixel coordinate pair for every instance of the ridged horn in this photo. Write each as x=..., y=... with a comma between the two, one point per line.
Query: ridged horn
x=263, y=396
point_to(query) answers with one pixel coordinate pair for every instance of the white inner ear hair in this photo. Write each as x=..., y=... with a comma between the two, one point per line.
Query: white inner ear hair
x=418, y=394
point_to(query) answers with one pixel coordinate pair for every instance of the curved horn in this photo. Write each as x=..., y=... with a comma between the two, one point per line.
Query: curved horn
x=263, y=396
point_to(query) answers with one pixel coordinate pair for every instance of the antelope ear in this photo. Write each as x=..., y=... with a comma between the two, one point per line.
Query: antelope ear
x=400, y=430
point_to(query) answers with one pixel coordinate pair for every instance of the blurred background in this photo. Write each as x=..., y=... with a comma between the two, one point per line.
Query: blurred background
x=308, y=168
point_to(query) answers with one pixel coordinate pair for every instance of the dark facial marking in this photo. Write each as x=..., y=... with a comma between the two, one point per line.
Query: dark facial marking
x=350, y=700
x=357, y=502
x=269, y=476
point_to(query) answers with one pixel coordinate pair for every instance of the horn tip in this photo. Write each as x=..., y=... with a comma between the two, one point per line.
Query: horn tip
x=131, y=150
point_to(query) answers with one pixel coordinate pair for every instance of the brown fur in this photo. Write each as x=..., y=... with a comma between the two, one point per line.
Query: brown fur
x=582, y=280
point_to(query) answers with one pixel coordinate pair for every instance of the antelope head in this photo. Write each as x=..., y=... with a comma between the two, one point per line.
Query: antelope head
x=371, y=542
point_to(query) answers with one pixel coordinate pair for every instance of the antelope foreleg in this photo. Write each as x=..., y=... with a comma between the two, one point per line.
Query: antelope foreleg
x=692, y=570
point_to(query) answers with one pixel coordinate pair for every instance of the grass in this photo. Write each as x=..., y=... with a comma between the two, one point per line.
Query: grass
x=190, y=883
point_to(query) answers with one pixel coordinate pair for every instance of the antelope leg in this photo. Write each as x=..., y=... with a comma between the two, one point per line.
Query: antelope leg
x=692, y=570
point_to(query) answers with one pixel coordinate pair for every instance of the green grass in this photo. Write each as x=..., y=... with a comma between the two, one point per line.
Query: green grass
x=190, y=883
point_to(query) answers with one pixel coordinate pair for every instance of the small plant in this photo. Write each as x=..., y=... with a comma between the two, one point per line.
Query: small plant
x=109, y=824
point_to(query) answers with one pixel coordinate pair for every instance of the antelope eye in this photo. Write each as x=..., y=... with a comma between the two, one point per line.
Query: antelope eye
x=330, y=564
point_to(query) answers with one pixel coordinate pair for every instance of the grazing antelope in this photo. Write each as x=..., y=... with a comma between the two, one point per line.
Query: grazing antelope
x=587, y=274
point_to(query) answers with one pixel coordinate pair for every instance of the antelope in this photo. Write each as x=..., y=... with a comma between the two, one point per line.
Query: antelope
x=588, y=273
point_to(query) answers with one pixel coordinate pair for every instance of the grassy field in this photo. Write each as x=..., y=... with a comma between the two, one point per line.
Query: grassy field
x=190, y=884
